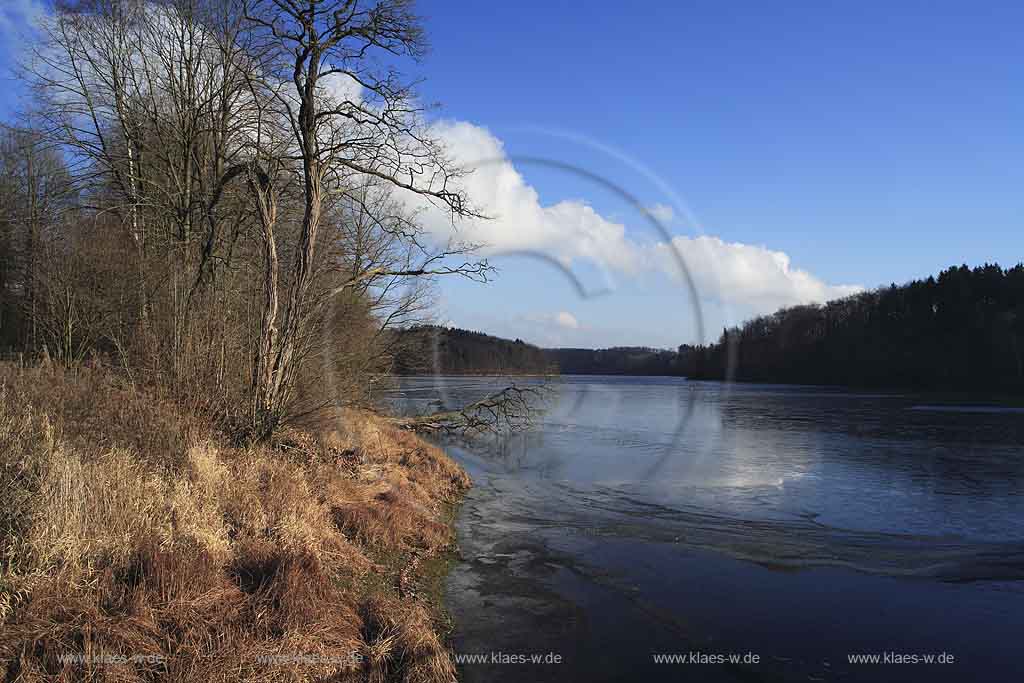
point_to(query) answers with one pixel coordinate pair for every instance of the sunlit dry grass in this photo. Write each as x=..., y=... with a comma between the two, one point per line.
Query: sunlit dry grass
x=130, y=529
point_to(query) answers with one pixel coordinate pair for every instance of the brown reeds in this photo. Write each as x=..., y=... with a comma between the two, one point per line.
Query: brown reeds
x=137, y=545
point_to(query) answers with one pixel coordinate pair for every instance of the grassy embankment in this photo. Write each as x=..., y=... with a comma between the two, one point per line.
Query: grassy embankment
x=128, y=529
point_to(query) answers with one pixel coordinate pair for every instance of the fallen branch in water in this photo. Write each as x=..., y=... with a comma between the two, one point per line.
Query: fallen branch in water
x=512, y=409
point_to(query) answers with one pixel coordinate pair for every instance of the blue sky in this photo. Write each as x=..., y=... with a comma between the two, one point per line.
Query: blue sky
x=854, y=143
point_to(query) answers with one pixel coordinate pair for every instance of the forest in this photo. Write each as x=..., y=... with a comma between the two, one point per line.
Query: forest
x=210, y=219
x=960, y=331
x=619, y=360
x=426, y=349
x=222, y=199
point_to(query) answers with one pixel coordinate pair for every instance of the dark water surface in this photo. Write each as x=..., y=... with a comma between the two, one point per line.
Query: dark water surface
x=656, y=516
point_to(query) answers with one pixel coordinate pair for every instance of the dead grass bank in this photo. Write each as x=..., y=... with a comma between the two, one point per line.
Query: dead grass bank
x=136, y=546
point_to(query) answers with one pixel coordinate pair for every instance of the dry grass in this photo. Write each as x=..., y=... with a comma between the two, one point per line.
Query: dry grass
x=128, y=529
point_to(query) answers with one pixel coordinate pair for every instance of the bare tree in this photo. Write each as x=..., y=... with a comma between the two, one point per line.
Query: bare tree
x=257, y=165
x=34, y=195
x=336, y=143
x=149, y=100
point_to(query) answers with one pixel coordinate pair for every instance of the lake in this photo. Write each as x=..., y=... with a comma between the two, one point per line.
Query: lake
x=660, y=529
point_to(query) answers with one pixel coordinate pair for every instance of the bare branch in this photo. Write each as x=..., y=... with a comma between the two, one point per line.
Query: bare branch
x=514, y=408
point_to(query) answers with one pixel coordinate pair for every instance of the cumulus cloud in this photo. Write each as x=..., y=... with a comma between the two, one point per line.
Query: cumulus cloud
x=566, y=319
x=343, y=88
x=563, y=320
x=751, y=277
x=544, y=329
x=518, y=222
x=748, y=278
x=663, y=213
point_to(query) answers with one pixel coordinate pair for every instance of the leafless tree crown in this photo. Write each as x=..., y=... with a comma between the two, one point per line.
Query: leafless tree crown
x=238, y=182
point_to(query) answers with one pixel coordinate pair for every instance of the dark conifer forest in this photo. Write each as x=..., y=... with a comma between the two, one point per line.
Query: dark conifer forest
x=960, y=331
x=428, y=349
x=619, y=360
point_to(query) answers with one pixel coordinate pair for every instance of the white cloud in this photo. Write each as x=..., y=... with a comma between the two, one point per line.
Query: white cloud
x=567, y=230
x=343, y=88
x=750, y=279
x=566, y=319
x=663, y=213
x=753, y=278
x=543, y=329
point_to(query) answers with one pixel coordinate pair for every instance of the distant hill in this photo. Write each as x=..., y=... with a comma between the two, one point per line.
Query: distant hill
x=452, y=351
x=620, y=360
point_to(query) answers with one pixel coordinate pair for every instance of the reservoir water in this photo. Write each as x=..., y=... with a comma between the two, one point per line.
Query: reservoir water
x=661, y=529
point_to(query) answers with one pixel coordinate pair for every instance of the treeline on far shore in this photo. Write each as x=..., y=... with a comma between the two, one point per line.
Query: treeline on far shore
x=429, y=349
x=960, y=331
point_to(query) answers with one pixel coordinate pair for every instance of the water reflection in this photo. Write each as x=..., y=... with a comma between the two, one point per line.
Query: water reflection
x=658, y=515
x=792, y=476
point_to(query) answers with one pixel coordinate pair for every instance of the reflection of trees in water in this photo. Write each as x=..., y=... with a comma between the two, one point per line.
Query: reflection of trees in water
x=741, y=437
